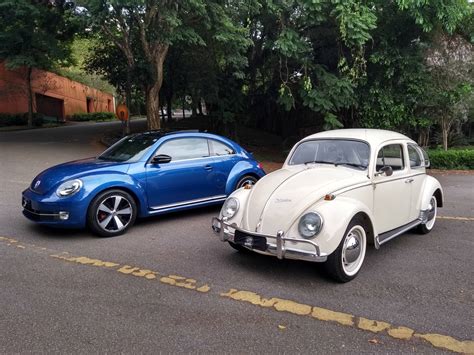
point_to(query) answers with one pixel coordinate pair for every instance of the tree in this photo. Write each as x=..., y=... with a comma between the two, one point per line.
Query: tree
x=158, y=24
x=35, y=35
x=451, y=65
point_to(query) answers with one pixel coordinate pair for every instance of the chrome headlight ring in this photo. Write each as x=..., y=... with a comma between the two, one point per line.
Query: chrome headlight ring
x=69, y=188
x=310, y=224
x=230, y=208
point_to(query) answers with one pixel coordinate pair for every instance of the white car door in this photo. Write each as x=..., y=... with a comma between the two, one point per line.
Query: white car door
x=392, y=194
x=417, y=174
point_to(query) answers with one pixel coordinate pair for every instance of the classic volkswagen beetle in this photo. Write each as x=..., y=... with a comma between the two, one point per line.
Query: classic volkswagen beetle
x=336, y=192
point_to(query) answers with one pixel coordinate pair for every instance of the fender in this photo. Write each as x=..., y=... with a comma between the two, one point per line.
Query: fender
x=95, y=185
x=337, y=215
x=429, y=188
x=238, y=171
x=241, y=195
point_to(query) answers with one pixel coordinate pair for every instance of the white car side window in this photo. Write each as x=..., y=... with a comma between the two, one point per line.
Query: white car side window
x=416, y=160
x=391, y=155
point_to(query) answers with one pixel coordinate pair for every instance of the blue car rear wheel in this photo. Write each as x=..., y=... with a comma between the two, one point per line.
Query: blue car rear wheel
x=111, y=213
x=246, y=180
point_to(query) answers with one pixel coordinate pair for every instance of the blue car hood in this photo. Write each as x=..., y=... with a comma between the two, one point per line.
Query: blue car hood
x=57, y=174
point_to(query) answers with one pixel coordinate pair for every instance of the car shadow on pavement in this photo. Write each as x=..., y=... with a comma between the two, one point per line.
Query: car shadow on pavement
x=47, y=232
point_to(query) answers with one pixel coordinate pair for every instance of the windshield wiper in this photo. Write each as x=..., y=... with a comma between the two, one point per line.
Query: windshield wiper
x=320, y=162
x=351, y=164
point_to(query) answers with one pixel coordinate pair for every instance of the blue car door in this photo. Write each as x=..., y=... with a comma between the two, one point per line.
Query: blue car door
x=187, y=179
x=225, y=159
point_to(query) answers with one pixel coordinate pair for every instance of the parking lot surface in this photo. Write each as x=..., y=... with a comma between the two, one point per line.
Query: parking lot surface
x=169, y=285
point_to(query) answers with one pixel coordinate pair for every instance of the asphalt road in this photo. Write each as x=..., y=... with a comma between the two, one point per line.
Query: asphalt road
x=169, y=285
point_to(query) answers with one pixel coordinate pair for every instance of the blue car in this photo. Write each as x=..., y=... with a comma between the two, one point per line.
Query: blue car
x=142, y=175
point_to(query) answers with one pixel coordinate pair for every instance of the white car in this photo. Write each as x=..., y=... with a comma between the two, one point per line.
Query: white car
x=337, y=192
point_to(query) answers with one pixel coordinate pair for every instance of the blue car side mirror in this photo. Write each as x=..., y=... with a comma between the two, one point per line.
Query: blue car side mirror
x=161, y=159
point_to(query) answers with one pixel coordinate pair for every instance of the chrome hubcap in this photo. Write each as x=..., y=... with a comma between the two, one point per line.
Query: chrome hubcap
x=353, y=250
x=432, y=210
x=114, y=213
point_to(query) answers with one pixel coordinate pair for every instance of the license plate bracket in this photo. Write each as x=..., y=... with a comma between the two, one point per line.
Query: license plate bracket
x=250, y=241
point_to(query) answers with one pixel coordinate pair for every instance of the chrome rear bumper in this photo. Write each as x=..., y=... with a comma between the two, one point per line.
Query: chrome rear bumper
x=276, y=245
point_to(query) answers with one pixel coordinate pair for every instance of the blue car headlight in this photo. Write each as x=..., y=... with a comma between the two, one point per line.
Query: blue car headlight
x=69, y=188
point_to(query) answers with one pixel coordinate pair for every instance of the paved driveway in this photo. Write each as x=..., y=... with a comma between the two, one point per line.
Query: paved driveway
x=168, y=285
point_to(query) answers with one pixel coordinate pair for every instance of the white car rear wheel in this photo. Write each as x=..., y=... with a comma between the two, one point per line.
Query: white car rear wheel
x=427, y=226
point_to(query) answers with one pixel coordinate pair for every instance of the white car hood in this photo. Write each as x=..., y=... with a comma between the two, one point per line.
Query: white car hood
x=281, y=197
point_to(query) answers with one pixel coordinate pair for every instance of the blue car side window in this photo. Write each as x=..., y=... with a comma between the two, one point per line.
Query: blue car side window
x=219, y=148
x=185, y=148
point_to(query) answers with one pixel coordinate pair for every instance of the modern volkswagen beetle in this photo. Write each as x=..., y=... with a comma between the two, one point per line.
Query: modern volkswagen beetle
x=337, y=192
x=141, y=175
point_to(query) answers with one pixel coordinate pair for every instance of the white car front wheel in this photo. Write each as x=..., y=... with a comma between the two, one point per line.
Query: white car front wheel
x=344, y=264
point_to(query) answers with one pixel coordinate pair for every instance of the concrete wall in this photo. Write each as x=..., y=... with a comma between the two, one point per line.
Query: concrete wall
x=13, y=92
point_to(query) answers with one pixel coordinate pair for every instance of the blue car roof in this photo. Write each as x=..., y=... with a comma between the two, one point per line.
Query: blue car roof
x=187, y=133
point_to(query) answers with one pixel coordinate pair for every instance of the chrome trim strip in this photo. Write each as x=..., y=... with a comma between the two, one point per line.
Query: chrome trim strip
x=42, y=214
x=189, y=202
x=398, y=178
x=396, y=232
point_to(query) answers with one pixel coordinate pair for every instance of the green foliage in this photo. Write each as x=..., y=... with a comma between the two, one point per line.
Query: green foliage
x=93, y=116
x=20, y=119
x=452, y=159
x=35, y=34
x=81, y=49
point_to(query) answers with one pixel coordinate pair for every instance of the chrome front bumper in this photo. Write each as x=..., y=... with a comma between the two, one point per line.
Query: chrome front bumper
x=276, y=245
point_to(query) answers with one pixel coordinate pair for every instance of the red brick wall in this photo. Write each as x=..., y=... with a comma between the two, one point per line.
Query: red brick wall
x=13, y=92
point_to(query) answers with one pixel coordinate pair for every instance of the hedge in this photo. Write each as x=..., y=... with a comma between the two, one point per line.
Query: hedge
x=93, y=116
x=20, y=119
x=461, y=159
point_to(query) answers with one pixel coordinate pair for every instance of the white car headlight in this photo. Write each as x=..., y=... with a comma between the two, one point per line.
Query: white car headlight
x=310, y=224
x=69, y=188
x=230, y=208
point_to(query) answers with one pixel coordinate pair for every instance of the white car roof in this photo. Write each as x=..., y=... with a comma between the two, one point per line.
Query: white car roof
x=373, y=136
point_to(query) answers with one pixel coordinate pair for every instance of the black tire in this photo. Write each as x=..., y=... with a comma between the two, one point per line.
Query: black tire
x=336, y=266
x=238, y=247
x=103, y=216
x=246, y=179
x=427, y=227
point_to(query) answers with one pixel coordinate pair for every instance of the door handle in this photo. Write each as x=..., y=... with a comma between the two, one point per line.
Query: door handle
x=208, y=167
x=408, y=181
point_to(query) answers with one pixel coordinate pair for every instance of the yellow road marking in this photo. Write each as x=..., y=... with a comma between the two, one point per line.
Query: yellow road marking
x=346, y=319
x=456, y=218
x=278, y=304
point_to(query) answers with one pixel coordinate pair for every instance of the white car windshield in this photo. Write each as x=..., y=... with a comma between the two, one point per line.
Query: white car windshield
x=346, y=152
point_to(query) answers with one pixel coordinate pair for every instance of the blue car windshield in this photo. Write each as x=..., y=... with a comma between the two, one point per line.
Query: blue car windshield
x=130, y=149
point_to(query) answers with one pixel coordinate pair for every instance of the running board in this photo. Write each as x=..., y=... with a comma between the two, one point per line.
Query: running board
x=387, y=236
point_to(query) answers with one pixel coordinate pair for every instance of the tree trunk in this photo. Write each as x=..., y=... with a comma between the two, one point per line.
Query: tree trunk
x=30, y=96
x=153, y=92
x=153, y=106
x=199, y=105
x=445, y=130
x=128, y=99
x=169, y=109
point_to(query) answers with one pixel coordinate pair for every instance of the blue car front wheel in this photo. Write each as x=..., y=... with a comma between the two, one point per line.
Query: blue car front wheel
x=111, y=213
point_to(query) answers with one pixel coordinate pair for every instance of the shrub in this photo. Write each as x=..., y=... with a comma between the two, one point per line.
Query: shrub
x=462, y=159
x=93, y=116
x=20, y=119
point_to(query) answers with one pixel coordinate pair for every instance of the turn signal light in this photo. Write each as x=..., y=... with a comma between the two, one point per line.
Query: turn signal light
x=329, y=197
